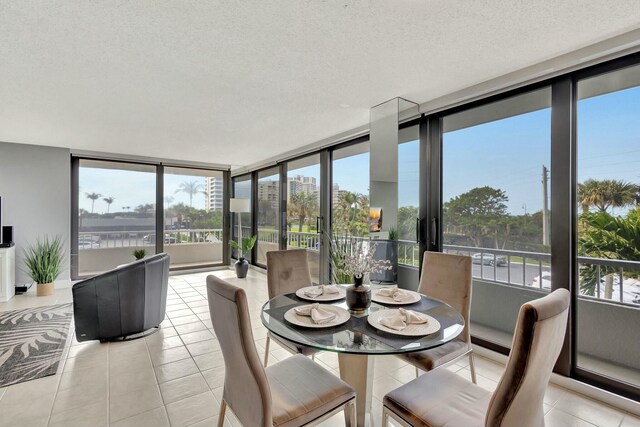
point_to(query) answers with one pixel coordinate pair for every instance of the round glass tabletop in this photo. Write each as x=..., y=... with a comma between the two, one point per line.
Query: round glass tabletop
x=357, y=336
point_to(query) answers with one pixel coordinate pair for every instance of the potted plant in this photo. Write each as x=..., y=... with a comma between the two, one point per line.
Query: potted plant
x=353, y=257
x=43, y=263
x=242, y=265
x=139, y=253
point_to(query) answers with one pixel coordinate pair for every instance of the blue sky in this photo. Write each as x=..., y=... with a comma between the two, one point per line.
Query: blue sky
x=132, y=188
x=506, y=154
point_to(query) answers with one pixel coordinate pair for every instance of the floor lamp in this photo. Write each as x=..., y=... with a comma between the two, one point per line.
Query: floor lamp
x=240, y=206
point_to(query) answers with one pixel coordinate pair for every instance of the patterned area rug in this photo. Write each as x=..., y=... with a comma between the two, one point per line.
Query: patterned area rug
x=32, y=341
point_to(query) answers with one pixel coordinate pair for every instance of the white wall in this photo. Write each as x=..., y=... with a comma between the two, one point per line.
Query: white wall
x=35, y=188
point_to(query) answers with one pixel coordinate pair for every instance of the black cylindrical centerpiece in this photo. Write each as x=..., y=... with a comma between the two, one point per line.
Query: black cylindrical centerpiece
x=358, y=295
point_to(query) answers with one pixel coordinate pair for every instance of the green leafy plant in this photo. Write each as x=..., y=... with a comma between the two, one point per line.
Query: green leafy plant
x=247, y=245
x=139, y=253
x=44, y=260
x=393, y=233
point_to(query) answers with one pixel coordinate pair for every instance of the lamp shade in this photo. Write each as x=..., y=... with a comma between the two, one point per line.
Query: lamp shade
x=239, y=205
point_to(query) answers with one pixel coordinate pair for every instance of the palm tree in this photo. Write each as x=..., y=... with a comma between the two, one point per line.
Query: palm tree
x=608, y=237
x=109, y=200
x=605, y=194
x=168, y=200
x=302, y=205
x=93, y=197
x=191, y=188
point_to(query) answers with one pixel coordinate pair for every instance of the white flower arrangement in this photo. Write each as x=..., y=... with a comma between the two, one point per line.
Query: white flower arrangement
x=355, y=257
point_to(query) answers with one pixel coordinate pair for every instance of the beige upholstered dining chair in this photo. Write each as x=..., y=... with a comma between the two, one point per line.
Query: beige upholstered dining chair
x=442, y=398
x=448, y=278
x=287, y=271
x=293, y=392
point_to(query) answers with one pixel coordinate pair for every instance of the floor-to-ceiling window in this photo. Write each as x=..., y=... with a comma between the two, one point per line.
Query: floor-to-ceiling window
x=116, y=214
x=408, y=205
x=350, y=195
x=119, y=207
x=268, y=216
x=608, y=197
x=241, y=221
x=193, y=216
x=303, y=209
x=495, y=194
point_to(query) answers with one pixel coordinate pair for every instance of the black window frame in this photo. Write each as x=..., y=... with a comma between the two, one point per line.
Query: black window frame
x=159, y=212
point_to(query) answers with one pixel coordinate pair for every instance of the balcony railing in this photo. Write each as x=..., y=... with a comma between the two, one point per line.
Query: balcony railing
x=122, y=239
x=515, y=268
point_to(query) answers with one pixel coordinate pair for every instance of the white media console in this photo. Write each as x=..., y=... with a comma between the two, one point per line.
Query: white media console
x=7, y=273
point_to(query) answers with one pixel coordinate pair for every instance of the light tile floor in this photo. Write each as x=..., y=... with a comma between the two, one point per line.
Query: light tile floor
x=175, y=376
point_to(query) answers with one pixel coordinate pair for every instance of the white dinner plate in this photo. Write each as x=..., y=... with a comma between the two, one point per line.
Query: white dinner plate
x=342, y=316
x=342, y=293
x=412, y=329
x=415, y=297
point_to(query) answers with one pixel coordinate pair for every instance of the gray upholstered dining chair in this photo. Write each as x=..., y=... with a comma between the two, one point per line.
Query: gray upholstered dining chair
x=287, y=271
x=446, y=277
x=441, y=397
x=293, y=392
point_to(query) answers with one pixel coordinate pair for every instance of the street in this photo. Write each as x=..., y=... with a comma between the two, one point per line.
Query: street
x=512, y=275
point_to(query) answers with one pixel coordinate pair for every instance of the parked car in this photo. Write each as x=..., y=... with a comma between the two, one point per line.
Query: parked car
x=211, y=238
x=88, y=244
x=631, y=287
x=489, y=259
x=150, y=238
x=546, y=281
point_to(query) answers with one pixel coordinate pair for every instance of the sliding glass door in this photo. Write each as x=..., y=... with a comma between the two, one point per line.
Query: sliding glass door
x=241, y=220
x=116, y=214
x=496, y=205
x=303, y=209
x=608, y=224
x=193, y=214
x=120, y=207
x=268, y=217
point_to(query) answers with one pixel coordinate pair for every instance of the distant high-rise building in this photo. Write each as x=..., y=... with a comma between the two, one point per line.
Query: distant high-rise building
x=269, y=190
x=302, y=184
x=336, y=194
x=213, y=193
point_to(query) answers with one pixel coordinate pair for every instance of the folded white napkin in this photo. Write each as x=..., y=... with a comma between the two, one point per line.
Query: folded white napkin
x=402, y=318
x=313, y=292
x=398, y=295
x=330, y=289
x=316, y=291
x=318, y=315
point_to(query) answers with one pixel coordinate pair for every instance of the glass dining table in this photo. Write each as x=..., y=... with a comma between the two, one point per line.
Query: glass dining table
x=356, y=341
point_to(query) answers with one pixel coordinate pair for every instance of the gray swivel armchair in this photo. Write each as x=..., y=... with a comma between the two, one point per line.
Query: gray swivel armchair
x=122, y=302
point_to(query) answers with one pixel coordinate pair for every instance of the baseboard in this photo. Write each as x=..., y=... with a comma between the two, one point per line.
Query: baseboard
x=197, y=270
x=63, y=283
x=588, y=390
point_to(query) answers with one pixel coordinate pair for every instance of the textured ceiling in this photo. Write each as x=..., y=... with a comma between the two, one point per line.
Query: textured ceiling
x=234, y=82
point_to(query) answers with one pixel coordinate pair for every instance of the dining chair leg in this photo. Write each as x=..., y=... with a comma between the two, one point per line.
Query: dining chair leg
x=417, y=372
x=223, y=408
x=350, y=414
x=472, y=368
x=385, y=417
x=266, y=351
x=313, y=357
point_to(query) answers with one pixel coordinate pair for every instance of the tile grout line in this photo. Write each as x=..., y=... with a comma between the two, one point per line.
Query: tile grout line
x=164, y=406
x=64, y=364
